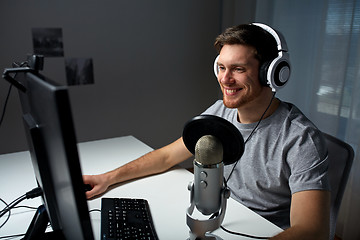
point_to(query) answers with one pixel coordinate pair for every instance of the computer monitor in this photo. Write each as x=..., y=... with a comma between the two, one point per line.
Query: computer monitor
x=53, y=147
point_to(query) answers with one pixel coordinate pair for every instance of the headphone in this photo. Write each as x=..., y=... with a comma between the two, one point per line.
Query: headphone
x=274, y=73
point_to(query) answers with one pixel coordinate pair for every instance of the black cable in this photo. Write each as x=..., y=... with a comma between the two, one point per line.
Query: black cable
x=12, y=236
x=242, y=234
x=8, y=217
x=8, y=95
x=5, y=104
x=20, y=235
x=28, y=207
x=94, y=210
x=252, y=132
x=36, y=192
x=2, y=200
x=232, y=170
x=12, y=204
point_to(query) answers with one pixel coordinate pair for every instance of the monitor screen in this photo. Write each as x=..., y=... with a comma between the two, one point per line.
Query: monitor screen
x=53, y=147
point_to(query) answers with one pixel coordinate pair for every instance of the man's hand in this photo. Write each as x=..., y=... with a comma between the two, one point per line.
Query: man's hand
x=98, y=184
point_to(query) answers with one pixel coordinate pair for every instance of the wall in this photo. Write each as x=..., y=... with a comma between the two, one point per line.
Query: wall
x=152, y=64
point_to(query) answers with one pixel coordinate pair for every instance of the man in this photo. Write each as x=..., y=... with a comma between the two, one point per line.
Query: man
x=282, y=173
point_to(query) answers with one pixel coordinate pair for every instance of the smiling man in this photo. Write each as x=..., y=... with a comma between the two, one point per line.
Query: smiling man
x=239, y=82
x=282, y=174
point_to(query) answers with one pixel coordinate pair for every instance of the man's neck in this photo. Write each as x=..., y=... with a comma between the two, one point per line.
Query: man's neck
x=252, y=113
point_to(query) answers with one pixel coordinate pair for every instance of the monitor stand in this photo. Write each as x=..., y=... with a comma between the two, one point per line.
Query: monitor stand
x=38, y=225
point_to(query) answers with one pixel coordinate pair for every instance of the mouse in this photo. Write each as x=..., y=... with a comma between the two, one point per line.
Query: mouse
x=87, y=187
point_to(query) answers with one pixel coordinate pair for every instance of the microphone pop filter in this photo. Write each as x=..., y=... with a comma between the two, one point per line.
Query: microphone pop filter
x=229, y=136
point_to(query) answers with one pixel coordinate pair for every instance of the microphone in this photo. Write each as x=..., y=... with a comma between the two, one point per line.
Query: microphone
x=208, y=174
x=215, y=142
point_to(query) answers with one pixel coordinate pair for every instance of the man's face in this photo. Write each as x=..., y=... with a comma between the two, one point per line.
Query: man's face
x=238, y=75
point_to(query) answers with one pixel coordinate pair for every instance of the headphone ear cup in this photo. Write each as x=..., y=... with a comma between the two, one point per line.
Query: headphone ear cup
x=279, y=72
x=275, y=74
x=263, y=71
x=216, y=67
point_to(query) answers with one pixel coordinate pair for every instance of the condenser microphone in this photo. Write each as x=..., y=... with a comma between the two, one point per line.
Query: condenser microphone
x=215, y=142
x=208, y=174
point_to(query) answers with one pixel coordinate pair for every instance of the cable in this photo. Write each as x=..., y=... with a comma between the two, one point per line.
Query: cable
x=12, y=204
x=28, y=207
x=36, y=192
x=8, y=95
x=232, y=170
x=242, y=234
x=252, y=132
x=12, y=236
x=5, y=104
x=94, y=210
x=7, y=219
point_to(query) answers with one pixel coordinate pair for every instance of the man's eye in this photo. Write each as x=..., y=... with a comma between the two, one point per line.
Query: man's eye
x=239, y=69
x=222, y=68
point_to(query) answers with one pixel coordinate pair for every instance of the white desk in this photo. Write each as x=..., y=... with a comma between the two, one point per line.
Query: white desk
x=167, y=193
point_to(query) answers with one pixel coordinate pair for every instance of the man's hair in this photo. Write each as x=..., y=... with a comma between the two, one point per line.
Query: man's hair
x=251, y=35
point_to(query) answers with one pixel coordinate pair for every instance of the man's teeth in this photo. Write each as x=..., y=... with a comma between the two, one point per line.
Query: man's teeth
x=231, y=91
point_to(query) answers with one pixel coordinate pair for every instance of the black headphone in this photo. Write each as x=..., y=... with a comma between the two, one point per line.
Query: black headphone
x=274, y=73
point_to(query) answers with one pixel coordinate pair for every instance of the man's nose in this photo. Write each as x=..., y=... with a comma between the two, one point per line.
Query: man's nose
x=226, y=77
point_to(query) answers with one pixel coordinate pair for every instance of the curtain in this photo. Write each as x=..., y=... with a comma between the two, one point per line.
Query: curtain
x=323, y=38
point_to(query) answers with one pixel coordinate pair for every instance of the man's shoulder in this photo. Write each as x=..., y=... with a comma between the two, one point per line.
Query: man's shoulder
x=298, y=118
x=298, y=127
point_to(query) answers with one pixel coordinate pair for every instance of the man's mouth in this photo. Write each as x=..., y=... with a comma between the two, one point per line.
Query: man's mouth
x=231, y=92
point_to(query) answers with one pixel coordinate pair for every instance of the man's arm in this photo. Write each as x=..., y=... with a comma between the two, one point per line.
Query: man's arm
x=309, y=216
x=153, y=162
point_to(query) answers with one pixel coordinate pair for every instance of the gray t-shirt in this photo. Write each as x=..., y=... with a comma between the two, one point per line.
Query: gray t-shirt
x=286, y=154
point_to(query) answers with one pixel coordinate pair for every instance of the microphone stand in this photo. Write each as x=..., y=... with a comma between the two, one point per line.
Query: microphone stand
x=199, y=229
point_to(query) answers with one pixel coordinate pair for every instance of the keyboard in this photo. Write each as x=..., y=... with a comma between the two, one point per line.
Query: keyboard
x=126, y=218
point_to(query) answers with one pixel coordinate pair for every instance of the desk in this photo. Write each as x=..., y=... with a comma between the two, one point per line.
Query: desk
x=167, y=192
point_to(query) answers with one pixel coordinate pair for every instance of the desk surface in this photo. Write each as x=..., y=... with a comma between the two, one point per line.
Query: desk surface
x=167, y=193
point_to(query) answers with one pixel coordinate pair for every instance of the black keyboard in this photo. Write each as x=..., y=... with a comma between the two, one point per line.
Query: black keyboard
x=126, y=218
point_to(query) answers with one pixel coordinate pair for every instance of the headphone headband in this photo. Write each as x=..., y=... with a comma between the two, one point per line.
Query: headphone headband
x=279, y=38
